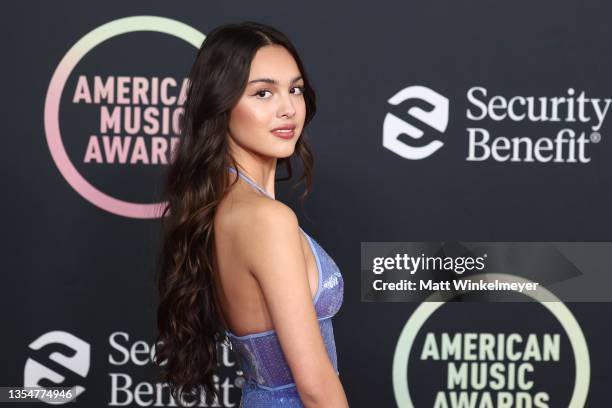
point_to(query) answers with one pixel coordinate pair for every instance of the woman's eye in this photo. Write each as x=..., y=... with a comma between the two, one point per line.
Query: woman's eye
x=262, y=93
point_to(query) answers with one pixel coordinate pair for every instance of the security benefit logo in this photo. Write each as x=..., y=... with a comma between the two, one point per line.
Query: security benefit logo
x=122, y=372
x=498, y=127
x=130, y=361
x=113, y=110
x=67, y=366
x=498, y=355
x=394, y=127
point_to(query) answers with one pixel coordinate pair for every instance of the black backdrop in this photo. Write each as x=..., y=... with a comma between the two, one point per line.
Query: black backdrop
x=77, y=274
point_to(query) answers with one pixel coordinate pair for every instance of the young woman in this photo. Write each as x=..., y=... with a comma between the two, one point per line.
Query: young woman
x=235, y=264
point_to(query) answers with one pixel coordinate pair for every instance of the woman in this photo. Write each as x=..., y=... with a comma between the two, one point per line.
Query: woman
x=234, y=263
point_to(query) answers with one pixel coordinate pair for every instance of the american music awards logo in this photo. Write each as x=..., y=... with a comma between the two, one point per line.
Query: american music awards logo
x=526, y=354
x=112, y=111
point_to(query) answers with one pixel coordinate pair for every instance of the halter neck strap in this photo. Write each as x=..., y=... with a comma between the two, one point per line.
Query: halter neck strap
x=251, y=182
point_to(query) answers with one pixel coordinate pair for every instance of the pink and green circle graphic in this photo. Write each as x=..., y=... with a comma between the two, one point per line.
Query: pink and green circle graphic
x=54, y=96
x=552, y=305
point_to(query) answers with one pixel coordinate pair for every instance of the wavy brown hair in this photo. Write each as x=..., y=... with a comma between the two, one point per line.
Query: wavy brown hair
x=189, y=327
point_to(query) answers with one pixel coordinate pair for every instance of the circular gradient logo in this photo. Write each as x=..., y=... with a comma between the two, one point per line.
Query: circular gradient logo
x=120, y=110
x=493, y=356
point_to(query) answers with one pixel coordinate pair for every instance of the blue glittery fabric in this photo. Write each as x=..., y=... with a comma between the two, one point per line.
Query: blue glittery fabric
x=269, y=382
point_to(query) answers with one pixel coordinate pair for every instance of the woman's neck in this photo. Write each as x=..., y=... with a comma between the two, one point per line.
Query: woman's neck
x=261, y=171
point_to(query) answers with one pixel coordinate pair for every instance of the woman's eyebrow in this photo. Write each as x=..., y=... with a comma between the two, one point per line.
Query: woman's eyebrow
x=273, y=81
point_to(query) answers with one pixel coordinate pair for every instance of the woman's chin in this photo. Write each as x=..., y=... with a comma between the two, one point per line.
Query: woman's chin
x=285, y=151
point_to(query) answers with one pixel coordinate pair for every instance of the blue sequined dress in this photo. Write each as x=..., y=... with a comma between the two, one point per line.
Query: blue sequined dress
x=269, y=382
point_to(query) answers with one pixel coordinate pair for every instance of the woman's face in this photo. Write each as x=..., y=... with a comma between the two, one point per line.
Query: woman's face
x=273, y=98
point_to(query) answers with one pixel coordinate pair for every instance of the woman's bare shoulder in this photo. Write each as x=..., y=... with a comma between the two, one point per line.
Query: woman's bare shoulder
x=247, y=216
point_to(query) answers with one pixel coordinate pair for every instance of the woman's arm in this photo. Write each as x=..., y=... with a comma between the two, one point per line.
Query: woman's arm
x=275, y=257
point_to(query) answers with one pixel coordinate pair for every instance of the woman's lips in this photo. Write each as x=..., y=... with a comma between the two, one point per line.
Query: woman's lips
x=284, y=133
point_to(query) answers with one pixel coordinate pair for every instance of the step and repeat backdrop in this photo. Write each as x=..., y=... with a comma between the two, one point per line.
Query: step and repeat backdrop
x=437, y=121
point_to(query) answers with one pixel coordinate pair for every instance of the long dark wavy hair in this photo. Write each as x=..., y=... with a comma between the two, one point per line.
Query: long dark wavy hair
x=189, y=327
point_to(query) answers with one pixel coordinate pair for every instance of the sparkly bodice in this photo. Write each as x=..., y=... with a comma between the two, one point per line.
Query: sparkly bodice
x=268, y=378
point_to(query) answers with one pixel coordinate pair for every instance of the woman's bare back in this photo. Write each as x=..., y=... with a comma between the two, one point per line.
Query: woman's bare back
x=241, y=301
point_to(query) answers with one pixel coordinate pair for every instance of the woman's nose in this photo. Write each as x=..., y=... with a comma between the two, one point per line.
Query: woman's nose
x=287, y=107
